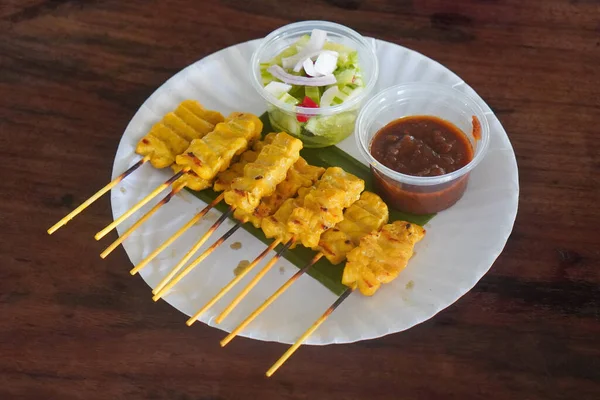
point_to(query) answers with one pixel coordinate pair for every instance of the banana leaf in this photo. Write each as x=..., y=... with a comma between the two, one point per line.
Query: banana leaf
x=323, y=271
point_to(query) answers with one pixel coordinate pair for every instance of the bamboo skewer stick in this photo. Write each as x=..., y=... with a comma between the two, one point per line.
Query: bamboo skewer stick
x=190, y=253
x=308, y=332
x=140, y=204
x=233, y=282
x=270, y=300
x=140, y=221
x=197, y=261
x=176, y=235
x=97, y=195
x=254, y=281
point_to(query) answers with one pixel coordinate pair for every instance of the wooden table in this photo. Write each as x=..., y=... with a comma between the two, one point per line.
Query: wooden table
x=72, y=74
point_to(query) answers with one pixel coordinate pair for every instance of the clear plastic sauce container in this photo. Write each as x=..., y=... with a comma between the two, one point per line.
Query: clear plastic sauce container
x=422, y=188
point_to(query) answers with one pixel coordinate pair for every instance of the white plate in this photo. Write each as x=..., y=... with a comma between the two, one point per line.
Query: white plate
x=460, y=246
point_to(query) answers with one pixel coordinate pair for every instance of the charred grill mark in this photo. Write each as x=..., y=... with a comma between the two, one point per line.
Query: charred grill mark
x=169, y=196
x=174, y=177
x=258, y=177
x=130, y=170
x=226, y=235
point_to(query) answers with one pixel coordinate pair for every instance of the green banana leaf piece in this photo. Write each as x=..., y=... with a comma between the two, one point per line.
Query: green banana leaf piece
x=323, y=271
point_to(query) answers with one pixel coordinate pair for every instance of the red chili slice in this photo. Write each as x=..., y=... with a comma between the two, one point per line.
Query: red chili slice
x=308, y=103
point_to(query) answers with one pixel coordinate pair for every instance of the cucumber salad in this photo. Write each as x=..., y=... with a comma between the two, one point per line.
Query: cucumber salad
x=314, y=72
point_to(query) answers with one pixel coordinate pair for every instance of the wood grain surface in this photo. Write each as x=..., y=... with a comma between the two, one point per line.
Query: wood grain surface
x=72, y=74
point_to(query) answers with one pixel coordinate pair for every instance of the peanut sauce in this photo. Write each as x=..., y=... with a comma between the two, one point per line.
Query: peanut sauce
x=422, y=146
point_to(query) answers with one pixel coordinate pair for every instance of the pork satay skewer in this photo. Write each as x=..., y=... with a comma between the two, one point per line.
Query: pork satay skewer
x=298, y=180
x=260, y=179
x=222, y=183
x=300, y=177
x=322, y=208
x=206, y=156
x=192, y=181
x=160, y=146
x=367, y=214
x=379, y=258
x=189, y=180
x=139, y=204
x=139, y=222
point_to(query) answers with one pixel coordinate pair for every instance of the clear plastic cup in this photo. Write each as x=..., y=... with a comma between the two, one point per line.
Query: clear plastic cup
x=327, y=125
x=417, y=194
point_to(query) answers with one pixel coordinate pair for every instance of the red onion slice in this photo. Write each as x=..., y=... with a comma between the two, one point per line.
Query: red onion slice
x=280, y=74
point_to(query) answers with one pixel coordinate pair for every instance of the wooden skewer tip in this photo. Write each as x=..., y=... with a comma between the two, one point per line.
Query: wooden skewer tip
x=139, y=205
x=96, y=196
x=306, y=334
x=139, y=222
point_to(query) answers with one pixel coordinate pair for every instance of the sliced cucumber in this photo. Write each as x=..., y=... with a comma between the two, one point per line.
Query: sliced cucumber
x=353, y=58
x=336, y=127
x=348, y=60
x=347, y=91
x=313, y=93
x=345, y=76
x=337, y=101
x=284, y=122
x=297, y=91
x=288, y=99
x=267, y=78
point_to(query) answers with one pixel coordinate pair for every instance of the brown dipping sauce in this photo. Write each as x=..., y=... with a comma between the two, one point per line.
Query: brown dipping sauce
x=422, y=146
